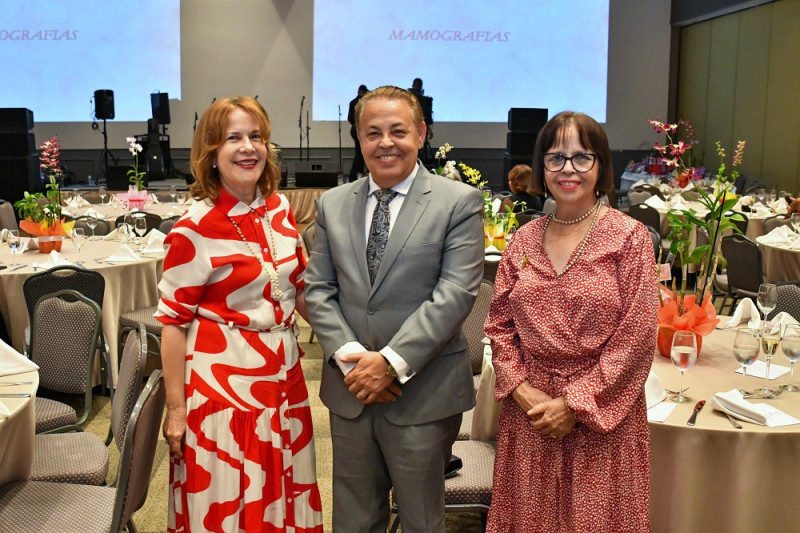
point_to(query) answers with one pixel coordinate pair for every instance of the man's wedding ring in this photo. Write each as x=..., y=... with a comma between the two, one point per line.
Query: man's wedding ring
x=361, y=394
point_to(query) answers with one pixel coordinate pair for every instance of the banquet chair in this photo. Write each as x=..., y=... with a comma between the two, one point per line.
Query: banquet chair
x=93, y=197
x=652, y=189
x=740, y=224
x=64, y=340
x=152, y=327
x=101, y=227
x=788, y=300
x=152, y=220
x=745, y=268
x=89, y=283
x=637, y=197
x=47, y=506
x=7, y=218
x=549, y=207
x=167, y=224
x=83, y=457
x=645, y=214
x=770, y=223
x=691, y=195
x=164, y=197
x=473, y=331
x=308, y=240
x=753, y=184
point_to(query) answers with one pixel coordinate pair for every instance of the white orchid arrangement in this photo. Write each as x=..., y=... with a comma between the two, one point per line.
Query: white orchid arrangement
x=135, y=177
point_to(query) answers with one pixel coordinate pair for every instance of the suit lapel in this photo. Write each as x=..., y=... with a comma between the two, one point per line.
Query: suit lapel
x=358, y=237
x=413, y=207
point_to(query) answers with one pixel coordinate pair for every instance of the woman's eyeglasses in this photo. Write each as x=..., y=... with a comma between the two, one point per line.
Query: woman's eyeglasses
x=582, y=162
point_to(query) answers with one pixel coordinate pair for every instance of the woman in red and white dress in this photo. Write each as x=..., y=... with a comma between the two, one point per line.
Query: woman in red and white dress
x=238, y=418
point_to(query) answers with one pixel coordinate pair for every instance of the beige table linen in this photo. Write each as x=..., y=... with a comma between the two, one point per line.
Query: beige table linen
x=712, y=477
x=17, y=429
x=129, y=286
x=781, y=263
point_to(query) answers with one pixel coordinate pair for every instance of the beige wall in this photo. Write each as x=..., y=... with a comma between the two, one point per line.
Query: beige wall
x=264, y=47
x=738, y=79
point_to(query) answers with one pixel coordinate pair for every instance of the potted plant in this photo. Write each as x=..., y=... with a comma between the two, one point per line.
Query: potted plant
x=137, y=194
x=40, y=214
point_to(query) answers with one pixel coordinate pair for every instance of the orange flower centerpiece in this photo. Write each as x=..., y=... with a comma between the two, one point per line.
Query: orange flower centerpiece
x=677, y=309
x=40, y=214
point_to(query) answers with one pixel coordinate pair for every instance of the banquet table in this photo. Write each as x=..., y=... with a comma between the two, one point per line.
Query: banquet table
x=129, y=286
x=18, y=427
x=711, y=477
x=780, y=262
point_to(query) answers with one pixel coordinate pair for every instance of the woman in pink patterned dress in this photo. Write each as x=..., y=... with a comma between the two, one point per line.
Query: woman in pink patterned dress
x=573, y=330
x=238, y=418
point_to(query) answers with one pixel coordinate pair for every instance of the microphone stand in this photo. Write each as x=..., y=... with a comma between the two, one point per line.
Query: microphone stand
x=308, y=134
x=106, y=152
x=194, y=128
x=340, y=139
x=300, y=126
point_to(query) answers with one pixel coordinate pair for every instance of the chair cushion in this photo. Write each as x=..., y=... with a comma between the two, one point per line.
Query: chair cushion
x=43, y=506
x=473, y=483
x=70, y=458
x=144, y=315
x=51, y=414
x=466, y=425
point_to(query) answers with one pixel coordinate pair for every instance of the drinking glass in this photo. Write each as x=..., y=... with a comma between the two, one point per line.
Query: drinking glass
x=770, y=338
x=140, y=227
x=767, y=298
x=79, y=239
x=102, y=192
x=173, y=191
x=684, y=356
x=745, y=348
x=795, y=221
x=790, y=345
x=92, y=223
x=13, y=242
x=493, y=228
x=181, y=198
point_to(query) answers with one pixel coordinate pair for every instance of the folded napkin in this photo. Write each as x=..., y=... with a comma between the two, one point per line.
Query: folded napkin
x=113, y=235
x=155, y=242
x=493, y=257
x=154, y=199
x=3, y=234
x=67, y=213
x=795, y=244
x=781, y=236
x=175, y=212
x=654, y=390
x=746, y=310
x=53, y=260
x=781, y=320
x=92, y=213
x=655, y=202
x=734, y=404
x=124, y=254
x=13, y=362
x=778, y=205
x=76, y=202
x=637, y=183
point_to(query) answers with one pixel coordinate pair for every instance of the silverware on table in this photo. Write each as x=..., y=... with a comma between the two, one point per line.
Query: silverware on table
x=733, y=421
x=697, y=409
x=14, y=395
x=18, y=267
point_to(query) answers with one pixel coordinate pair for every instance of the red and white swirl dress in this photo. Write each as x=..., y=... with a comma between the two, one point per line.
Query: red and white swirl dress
x=249, y=462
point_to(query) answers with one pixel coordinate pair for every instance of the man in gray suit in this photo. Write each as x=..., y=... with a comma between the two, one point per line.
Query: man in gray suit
x=388, y=314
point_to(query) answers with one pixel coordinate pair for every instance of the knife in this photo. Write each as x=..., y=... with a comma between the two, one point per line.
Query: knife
x=15, y=395
x=697, y=409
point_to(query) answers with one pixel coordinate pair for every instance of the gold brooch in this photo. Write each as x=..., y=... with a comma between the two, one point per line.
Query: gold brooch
x=524, y=261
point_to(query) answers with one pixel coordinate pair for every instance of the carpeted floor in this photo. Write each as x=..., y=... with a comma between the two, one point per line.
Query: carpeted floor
x=152, y=517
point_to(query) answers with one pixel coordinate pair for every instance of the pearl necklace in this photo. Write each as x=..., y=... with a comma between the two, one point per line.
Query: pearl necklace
x=271, y=271
x=576, y=220
x=579, y=250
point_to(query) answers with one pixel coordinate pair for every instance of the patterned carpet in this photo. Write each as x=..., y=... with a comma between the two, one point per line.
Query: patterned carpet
x=152, y=517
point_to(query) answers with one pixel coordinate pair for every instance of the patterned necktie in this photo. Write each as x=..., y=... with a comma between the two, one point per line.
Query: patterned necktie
x=378, y=231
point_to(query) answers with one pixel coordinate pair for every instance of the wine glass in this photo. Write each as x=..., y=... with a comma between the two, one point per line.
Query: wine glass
x=173, y=191
x=13, y=242
x=493, y=228
x=102, y=192
x=79, y=239
x=795, y=221
x=790, y=345
x=684, y=356
x=745, y=349
x=770, y=338
x=140, y=227
x=92, y=223
x=767, y=298
x=181, y=198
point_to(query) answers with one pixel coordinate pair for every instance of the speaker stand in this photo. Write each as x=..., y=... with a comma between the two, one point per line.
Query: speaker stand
x=106, y=153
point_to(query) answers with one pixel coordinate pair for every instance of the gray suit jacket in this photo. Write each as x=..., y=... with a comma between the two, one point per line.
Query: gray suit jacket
x=423, y=291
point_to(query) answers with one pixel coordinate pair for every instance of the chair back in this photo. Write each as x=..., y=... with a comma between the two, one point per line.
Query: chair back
x=308, y=236
x=549, y=206
x=138, y=451
x=167, y=224
x=645, y=214
x=152, y=220
x=473, y=325
x=164, y=196
x=656, y=240
x=745, y=270
x=652, y=189
x=93, y=197
x=753, y=184
x=788, y=301
x=7, y=218
x=89, y=283
x=769, y=224
x=638, y=197
x=101, y=227
x=129, y=382
x=64, y=337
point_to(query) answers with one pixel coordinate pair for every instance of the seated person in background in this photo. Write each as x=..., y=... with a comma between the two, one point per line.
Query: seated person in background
x=794, y=206
x=519, y=183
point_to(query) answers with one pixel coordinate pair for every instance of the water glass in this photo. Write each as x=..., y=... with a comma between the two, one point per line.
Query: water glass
x=745, y=349
x=767, y=298
x=790, y=346
x=684, y=356
x=795, y=221
x=102, y=192
x=13, y=242
x=78, y=240
x=173, y=191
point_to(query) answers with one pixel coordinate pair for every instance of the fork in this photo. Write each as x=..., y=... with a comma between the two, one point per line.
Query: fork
x=734, y=423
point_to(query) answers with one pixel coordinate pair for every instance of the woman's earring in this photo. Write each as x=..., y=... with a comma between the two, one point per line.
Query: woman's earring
x=213, y=165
